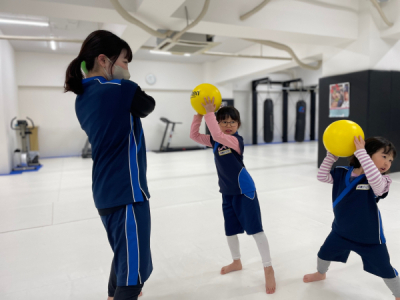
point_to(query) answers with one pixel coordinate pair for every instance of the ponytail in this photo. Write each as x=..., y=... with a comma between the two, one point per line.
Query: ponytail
x=98, y=42
x=73, y=77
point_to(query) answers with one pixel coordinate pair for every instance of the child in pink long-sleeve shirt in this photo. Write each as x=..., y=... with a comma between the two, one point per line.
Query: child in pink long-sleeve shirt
x=239, y=197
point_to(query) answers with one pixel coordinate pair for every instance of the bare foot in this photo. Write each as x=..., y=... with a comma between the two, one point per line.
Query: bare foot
x=317, y=276
x=235, y=266
x=270, y=280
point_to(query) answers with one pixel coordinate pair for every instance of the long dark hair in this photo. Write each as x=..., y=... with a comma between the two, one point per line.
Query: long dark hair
x=373, y=145
x=98, y=42
x=226, y=112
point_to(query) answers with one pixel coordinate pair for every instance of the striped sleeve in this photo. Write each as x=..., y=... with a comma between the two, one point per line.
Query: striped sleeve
x=324, y=174
x=379, y=183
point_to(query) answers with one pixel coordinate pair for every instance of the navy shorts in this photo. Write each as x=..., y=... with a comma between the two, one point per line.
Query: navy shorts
x=375, y=257
x=128, y=231
x=241, y=214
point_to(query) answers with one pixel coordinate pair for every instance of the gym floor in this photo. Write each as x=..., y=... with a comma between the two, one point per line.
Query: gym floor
x=53, y=244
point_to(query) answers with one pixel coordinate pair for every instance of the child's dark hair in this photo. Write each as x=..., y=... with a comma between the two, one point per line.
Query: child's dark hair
x=228, y=111
x=373, y=145
x=98, y=42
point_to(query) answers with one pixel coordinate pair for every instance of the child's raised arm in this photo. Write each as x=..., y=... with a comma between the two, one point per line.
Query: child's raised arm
x=220, y=137
x=203, y=139
x=379, y=183
x=216, y=133
x=324, y=172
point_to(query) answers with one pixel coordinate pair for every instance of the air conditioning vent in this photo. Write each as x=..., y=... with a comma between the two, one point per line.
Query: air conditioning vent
x=192, y=43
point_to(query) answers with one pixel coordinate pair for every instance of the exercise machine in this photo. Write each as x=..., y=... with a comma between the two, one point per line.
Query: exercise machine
x=25, y=159
x=167, y=148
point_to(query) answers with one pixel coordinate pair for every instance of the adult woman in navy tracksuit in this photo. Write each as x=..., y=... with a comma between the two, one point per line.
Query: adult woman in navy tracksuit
x=109, y=108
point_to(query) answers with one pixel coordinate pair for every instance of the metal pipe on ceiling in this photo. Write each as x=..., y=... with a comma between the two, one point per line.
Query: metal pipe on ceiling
x=288, y=50
x=382, y=14
x=254, y=10
x=195, y=22
x=224, y=54
x=39, y=39
x=131, y=19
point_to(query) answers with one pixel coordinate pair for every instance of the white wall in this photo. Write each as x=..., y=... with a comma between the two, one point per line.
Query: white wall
x=8, y=106
x=41, y=77
x=372, y=49
x=53, y=112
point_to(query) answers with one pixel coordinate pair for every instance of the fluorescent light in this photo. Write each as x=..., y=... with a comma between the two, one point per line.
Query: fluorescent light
x=160, y=52
x=22, y=22
x=186, y=54
x=53, y=45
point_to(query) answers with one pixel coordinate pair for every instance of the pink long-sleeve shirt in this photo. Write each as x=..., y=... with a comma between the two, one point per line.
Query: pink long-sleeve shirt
x=379, y=183
x=218, y=136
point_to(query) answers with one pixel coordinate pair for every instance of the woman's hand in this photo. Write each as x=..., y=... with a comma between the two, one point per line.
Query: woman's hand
x=209, y=104
x=359, y=142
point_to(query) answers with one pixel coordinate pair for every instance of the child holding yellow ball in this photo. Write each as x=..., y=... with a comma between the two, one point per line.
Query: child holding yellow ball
x=358, y=225
x=240, y=204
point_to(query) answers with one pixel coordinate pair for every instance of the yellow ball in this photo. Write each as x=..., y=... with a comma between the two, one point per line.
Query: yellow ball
x=202, y=91
x=338, y=137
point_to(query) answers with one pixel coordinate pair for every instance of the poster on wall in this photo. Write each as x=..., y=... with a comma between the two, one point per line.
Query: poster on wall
x=339, y=100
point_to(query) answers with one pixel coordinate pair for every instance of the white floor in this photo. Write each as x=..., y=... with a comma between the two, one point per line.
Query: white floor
x=53, y=244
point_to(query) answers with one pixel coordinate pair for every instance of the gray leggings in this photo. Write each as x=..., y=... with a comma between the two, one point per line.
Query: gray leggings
x=392, y=283
x=262, y=244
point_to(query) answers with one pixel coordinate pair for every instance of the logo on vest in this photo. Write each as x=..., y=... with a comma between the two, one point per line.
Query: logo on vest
x=224, y=150
x=363, y=187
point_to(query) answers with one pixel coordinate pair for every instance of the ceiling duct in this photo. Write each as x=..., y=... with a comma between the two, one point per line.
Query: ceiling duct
x=191, y=43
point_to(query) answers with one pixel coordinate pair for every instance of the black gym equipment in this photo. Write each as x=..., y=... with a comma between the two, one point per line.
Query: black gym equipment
x=167, y=148
x=300, y=121
x=375, y=106
x=268, y=120
x=26, y=159
x=285, y=85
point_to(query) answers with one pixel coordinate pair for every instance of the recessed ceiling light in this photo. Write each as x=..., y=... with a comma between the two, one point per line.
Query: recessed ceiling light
x=186, y=54
x=24, y=22
x=160, y=52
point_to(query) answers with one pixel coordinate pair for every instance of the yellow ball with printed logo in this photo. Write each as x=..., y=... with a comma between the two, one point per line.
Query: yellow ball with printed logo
x=338, y=137
x=202, y=91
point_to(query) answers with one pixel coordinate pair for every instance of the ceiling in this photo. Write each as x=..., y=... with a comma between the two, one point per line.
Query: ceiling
x=312, y=22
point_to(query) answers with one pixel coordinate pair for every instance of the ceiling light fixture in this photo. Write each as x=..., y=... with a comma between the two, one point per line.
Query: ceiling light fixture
x=186, y=54
x=160, y=52
x=24, y=22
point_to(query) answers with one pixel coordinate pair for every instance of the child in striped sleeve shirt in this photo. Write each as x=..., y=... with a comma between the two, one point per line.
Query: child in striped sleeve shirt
x=357, y=226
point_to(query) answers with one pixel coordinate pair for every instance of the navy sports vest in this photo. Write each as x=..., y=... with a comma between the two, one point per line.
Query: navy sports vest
x=232, y=174
x=117, y=139
x=357, y=216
